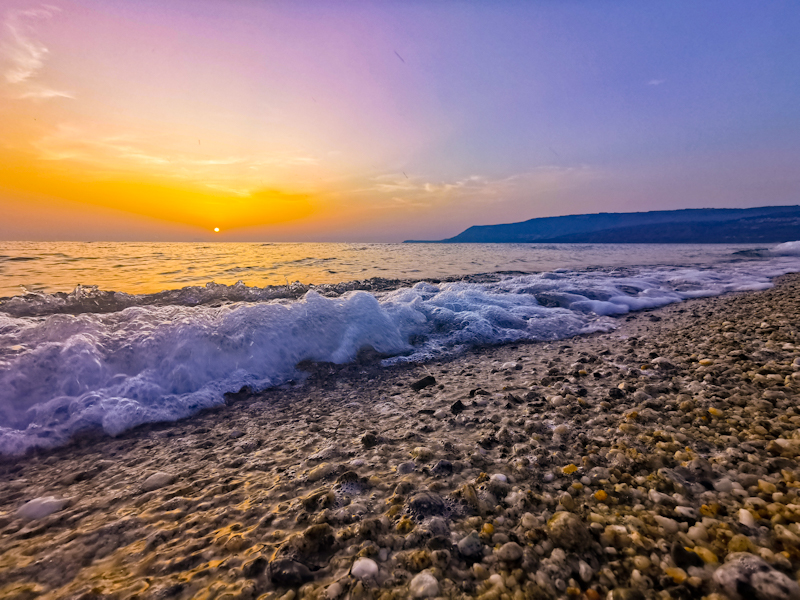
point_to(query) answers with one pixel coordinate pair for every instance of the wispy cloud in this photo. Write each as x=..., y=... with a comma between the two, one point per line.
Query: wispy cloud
x=656, y=81
x=149, y=155
x=26, y=55
x=402, y=190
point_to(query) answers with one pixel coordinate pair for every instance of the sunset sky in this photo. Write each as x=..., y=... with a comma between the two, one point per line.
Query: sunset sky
x=382, y=121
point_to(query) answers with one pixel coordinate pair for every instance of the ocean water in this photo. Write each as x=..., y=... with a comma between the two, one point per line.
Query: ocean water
x=116, y=335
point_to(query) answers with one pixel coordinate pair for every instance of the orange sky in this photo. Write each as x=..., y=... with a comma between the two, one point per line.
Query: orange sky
x=379, y=122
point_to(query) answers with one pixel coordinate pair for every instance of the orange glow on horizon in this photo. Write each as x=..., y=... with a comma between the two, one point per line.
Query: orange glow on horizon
x=167, y=201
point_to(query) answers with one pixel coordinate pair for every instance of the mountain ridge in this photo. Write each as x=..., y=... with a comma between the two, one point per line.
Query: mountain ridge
x=767, y=224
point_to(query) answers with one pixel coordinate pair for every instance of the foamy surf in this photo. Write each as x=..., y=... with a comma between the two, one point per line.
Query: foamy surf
x=63, y=373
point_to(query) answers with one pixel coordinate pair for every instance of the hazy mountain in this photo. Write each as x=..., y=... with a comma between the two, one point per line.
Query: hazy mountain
x=768, y=224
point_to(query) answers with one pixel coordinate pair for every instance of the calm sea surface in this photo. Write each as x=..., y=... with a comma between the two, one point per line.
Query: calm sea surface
x=142, y=268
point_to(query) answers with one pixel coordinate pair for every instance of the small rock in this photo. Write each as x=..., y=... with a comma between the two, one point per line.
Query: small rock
x=745, y=576
x=38, y=508
x=422, y=454
x=457, y=407
x=625, y=594
x=157, y=480
x=746, y=518
x=333, y=591
x=684, y=558
x=426, y=504
x=424, y=585
x=567, y=530
x=442, y=468
x=423, y=383
x=288, y=572
x=369, y=440
x=364, y=568
x=471, y=546
x=509, y=552
x=320, y=472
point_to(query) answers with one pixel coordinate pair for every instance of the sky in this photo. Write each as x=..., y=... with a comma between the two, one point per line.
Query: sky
x=383, y=121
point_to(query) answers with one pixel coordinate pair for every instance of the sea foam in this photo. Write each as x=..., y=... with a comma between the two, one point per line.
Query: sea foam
x=63, y=373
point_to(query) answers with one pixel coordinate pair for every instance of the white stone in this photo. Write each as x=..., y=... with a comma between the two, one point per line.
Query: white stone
x=364, y=568
x=697, y=533
x=157, y=480
x=746, y=518
x=585, y=571
x=424, y=585
x=333, y=591
x=38, y=508
x=669, y=525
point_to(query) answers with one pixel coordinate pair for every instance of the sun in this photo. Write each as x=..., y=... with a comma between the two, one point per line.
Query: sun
x=216, y=229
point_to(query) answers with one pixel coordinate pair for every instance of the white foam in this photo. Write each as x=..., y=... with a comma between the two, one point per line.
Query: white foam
x=60, y=374
x=787, y=249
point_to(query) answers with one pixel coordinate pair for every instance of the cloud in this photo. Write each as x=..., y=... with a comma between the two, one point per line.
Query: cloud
x=656, y=81
x=26, y=55
x=152, y=156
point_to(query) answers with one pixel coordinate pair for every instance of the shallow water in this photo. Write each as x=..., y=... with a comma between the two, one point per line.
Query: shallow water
x=97, y=358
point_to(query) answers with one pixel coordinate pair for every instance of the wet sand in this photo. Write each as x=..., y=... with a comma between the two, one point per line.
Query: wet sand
x=655, y=461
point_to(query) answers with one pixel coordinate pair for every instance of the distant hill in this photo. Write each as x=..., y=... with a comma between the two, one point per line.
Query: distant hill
x=768, y=224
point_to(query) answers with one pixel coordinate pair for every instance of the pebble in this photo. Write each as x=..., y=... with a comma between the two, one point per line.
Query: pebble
x=567, y=530
x=157, y=480
x=288, y=572
x=424, y=585
x=364, y=568
x=471, y=546
x=745, y=576
x=509, y=552
x=38, y=508
x=746, y=518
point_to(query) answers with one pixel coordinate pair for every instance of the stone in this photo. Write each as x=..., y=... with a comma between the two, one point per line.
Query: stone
x=442, y=468
x=422, y=453
x=457, y=407
x=423, y=383
x=406, y=467
x=746, y=518
x=471, y=547
x=621, y=593
x=320, y=472
x=369, y=440
x=424, y=585
x=684, y=558
x=567, y=530
x=157, y=480
x=288, y=572
x=426, y=504
x=745, y=576
x=509, y=552
x=364, y=568
x=38, y=508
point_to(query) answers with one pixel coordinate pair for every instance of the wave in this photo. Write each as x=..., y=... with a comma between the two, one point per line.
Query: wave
x=118, y=360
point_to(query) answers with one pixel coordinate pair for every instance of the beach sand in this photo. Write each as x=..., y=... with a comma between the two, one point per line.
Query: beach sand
x=655, y=461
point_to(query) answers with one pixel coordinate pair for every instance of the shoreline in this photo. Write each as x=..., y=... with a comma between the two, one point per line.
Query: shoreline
x=532, y=470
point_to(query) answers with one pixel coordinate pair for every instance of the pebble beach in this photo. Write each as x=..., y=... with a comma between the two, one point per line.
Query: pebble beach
x=655, y=461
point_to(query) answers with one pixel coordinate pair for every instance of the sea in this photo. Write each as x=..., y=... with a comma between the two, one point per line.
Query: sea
x=115, y=335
